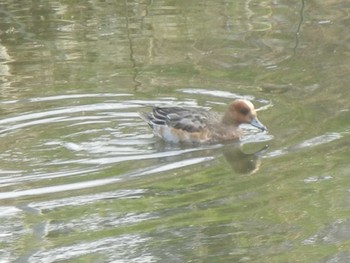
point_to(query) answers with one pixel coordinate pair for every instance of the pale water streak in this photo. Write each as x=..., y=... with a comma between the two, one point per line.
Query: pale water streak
x=125, y=249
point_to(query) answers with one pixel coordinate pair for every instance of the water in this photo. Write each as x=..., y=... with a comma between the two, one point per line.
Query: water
x=82, y=179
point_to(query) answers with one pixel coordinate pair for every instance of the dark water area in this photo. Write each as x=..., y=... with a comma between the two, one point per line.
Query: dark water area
x=83, y=179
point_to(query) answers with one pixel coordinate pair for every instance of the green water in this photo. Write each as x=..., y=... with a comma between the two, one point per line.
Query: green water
x=82, y=179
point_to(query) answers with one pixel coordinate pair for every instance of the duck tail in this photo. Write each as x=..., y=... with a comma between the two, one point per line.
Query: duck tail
x=146, y=116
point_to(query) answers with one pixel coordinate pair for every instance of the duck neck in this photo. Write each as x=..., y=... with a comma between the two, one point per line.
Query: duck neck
x=227, y=120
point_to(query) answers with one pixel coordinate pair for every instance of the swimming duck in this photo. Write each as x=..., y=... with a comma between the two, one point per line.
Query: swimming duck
x=188, y=125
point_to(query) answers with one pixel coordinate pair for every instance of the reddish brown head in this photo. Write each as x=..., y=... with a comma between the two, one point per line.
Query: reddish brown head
x=242, y=111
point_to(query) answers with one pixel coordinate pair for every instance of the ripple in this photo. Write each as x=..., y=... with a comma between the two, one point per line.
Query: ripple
x=87, y=199
x=21, y=178
x=83, y=140
x=113, y=160
x=217, y=93
x=106, y=181
x=122, y=248
x=309, y=143
x=176, y=165
x=8, y=211
x=70, y=110
x=96, y=222
x=57, y=188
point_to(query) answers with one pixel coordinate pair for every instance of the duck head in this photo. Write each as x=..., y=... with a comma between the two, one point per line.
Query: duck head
x=242, y=111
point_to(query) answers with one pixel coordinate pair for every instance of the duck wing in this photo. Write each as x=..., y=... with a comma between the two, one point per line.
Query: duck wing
x=190, y=120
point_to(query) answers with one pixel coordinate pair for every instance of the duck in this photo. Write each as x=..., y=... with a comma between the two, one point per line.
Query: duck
x=199, y=126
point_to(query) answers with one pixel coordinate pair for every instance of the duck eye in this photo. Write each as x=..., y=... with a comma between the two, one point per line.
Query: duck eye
x=244, y=111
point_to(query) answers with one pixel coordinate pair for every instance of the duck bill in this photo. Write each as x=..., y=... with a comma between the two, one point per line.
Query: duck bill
x=256, y=123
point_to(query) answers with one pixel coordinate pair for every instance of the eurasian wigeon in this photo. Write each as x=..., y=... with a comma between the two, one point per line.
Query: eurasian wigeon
x=188, y=125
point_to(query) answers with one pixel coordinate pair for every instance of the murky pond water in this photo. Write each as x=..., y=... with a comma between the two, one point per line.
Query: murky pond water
x=82, y=179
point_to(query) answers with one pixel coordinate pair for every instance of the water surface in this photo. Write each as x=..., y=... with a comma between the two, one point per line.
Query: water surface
x=82, y=179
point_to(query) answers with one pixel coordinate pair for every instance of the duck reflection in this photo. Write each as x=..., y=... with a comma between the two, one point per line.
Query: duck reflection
x=242, y=162
x=242, y=158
